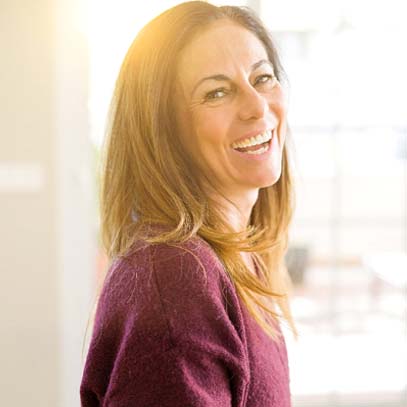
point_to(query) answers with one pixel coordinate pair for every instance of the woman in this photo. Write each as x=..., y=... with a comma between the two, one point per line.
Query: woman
x=196, y=202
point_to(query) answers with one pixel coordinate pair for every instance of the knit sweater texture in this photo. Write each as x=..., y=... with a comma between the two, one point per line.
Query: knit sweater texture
x=170, y=331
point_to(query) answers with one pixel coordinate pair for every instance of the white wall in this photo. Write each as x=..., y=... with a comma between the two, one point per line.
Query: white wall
x=46, y=240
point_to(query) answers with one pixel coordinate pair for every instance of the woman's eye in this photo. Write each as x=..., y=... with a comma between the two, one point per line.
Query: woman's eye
x=264, y=79
x=216, y=94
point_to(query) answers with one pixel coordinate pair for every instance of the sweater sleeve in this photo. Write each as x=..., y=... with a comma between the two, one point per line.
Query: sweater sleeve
x=166, y=334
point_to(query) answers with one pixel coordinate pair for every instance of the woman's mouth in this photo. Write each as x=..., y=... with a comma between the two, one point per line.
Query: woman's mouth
x=255, y=145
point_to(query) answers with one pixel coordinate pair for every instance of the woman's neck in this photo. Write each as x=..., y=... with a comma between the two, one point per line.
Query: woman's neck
x=237, y=209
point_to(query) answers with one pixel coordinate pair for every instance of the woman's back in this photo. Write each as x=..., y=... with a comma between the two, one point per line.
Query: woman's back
x=170, y=330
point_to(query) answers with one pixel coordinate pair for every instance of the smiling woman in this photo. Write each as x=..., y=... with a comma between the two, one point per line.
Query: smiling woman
x=232, y=122
x=196, y=202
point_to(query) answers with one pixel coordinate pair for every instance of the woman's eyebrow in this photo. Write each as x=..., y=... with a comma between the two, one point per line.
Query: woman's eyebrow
x=217, y=77
x=221, y=77
x=260, y=63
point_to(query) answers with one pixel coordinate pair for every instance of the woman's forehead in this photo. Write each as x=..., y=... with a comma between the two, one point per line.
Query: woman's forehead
x=222, y=48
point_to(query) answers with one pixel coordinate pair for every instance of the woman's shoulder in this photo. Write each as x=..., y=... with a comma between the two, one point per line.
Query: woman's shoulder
x=187, y=269
x=195, y=251
x=171, y=290
x=167, y=308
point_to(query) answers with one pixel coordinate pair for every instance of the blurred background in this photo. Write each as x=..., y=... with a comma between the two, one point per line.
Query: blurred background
x=346, y=65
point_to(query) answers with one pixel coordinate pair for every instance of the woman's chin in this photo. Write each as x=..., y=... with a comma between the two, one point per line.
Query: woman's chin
x=267, y=180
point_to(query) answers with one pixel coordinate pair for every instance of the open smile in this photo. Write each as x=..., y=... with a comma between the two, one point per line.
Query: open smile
x=255, y=145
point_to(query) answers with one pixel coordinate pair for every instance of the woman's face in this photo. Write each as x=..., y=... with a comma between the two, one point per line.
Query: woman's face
x=229, y=105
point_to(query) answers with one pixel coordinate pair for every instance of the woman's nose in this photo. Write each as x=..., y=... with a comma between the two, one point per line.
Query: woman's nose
x=253, y=105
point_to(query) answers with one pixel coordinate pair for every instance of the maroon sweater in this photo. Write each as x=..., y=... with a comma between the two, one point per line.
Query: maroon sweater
x=170, y=330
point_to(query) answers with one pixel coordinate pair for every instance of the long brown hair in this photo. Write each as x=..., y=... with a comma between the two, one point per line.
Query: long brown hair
x=148, y=179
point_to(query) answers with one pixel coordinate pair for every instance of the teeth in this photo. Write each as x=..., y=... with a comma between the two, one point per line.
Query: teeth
x=253, y=141
x=261, y=150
